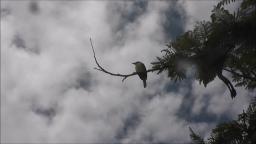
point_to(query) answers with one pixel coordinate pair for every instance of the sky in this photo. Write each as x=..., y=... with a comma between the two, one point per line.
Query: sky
x=51, y=93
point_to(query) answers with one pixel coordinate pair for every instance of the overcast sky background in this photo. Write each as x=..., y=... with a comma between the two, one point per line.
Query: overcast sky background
x=50, y=92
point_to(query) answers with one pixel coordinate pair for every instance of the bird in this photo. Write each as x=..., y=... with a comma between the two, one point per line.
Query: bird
x=142, y=72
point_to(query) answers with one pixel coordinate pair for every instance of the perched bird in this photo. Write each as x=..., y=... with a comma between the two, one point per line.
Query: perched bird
x=142, y=72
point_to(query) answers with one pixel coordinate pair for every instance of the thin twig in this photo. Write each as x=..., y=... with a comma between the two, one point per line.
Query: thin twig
x=240, y=75
x=100, y=68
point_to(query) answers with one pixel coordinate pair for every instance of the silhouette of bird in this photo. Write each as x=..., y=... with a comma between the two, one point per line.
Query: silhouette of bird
x=142, y=72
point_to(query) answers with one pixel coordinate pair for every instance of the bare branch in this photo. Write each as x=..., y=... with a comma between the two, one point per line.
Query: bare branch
x=100, y=68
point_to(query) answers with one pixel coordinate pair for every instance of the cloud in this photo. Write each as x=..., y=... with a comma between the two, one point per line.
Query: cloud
x=51, y=93
x=197, y=11
x=33, y=7
x=175, y=20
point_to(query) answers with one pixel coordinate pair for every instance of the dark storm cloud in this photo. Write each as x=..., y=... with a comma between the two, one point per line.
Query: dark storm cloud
x=123, y=14
x=175, y=20
x=19, y=42
x=34, y=7
x=130, y=124
x=138, y=8
x=185, y=110
x=175, y=86
x=47, y=113
x=5, y=12
x=128, y=15
x=84, y=80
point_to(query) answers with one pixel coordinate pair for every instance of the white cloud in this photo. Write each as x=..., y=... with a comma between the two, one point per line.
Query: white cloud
x=197, y=11
x=98, y=109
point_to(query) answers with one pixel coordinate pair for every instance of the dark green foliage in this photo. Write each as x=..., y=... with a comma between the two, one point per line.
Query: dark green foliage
x=196, y=139
x=224, y=2
x=227, y=42
x=240, y=131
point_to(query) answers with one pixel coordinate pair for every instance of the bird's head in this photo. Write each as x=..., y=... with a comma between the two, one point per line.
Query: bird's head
x=137, y=62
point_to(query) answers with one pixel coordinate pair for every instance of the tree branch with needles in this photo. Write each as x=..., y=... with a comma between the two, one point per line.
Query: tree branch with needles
x=125, y=76
x=160, y=69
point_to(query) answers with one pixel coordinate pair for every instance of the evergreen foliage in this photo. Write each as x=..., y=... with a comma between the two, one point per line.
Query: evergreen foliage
x=240, y=131
x=196, y=139
x=227, y=42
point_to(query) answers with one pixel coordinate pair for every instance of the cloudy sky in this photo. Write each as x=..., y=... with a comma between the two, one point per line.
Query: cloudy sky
x=51, y=93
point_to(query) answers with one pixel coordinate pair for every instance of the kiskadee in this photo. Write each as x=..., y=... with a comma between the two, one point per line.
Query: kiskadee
x=142, y=72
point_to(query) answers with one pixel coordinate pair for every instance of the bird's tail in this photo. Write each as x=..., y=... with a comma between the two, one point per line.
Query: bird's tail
x=144, y=83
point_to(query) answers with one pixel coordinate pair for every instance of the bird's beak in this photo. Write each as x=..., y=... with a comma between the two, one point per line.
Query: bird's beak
x=134, y=63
